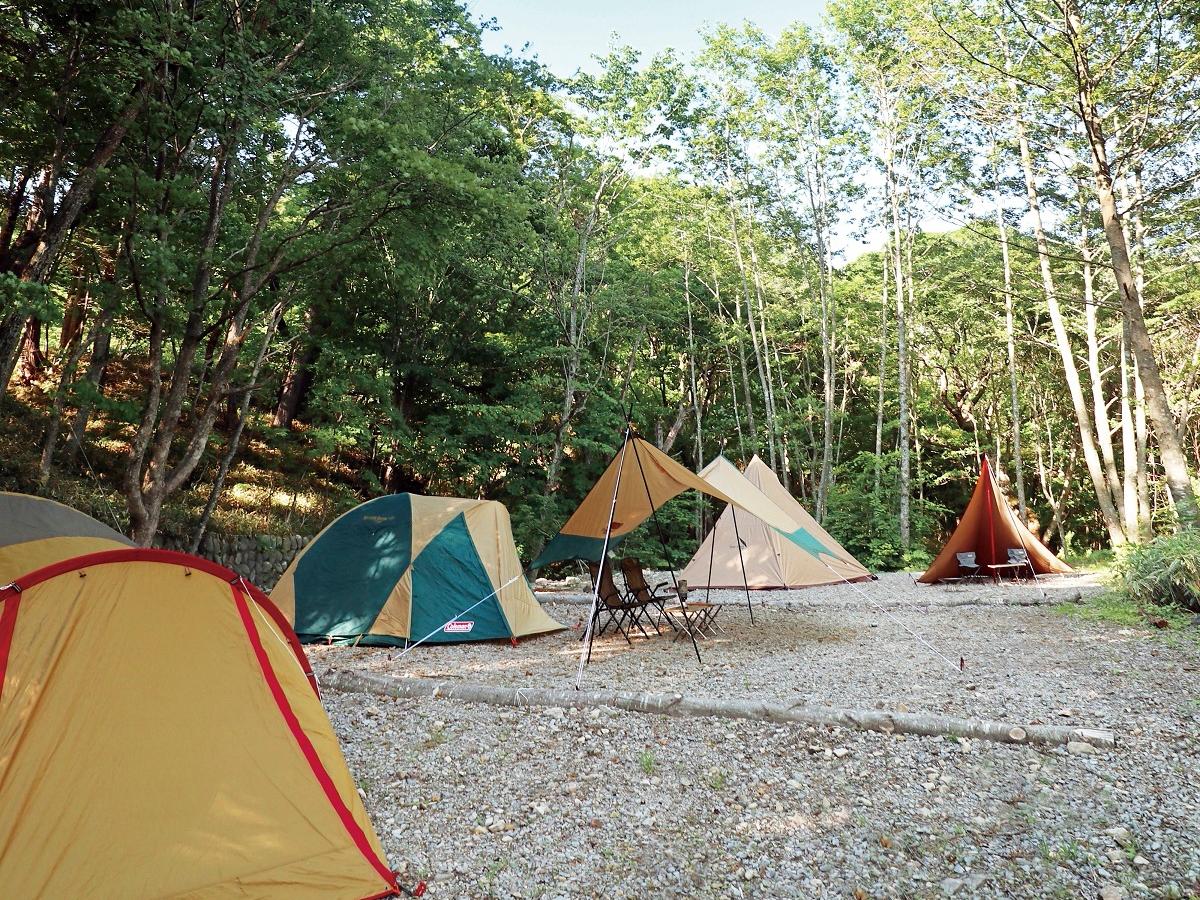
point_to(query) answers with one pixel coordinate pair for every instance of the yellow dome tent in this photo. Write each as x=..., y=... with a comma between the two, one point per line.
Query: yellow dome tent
x=36, y=532
x=161, y=736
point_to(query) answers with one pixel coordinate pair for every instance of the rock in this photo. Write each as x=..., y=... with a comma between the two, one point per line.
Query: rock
x=1140, y=861
x=1121, y=835
x=951, y=886
x=1112, y=892
x=1080, y=748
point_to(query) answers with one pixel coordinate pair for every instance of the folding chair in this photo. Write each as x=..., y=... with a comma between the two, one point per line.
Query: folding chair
x=968, y=567
x=612, y=603
x=1019, y=556
x=697, y=617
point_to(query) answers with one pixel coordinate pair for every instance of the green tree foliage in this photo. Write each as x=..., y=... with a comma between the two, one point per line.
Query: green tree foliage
x=261, y=262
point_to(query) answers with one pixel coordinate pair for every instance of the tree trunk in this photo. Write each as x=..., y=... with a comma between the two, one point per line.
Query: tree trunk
x=94, y=378
x=296, y=384
x=1096, y=376
x=214, y=495
x=1010, y=335
x=50, y=242
x=759, y=710
x=1158, y=404
x=1112, y=520
x=50, y=442
x=901, y=358
x=883, y=348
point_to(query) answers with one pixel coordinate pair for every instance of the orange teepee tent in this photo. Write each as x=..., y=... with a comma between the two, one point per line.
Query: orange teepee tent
x=989, y=529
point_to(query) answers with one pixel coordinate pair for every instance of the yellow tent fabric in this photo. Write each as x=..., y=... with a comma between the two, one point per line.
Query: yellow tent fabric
x=36, y=532
x=402, y=567
x=644, y=479
x=783, y=548
x=159, y=738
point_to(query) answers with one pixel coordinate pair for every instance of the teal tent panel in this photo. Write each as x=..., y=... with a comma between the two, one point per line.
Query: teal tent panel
x=805, y=541
x=447, y=578
x=574, y=546
x=345, y=577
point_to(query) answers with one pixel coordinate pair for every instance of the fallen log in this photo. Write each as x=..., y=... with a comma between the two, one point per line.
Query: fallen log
x=758, y=710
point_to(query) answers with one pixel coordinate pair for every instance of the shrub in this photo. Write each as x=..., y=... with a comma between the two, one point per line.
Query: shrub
x=1165, y=571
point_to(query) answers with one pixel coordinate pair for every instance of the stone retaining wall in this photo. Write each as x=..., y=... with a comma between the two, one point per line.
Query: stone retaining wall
x=260, y=559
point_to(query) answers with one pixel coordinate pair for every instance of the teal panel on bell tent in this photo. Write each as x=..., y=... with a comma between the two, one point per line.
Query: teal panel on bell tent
x=345, y=576
x=447, y=578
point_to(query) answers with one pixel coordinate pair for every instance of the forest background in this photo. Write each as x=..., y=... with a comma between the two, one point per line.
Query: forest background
x=260, y=261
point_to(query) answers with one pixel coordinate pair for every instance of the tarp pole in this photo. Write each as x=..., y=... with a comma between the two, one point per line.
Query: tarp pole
x=663, y=540
x=585, y=654
x=1018, y=528
x=712, y=553
x=745, y=581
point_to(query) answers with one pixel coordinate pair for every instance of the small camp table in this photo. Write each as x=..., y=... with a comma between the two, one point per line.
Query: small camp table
x=998, y=569
x=697, y=617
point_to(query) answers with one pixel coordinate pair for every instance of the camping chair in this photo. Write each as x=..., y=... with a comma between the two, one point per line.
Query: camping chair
x=1019, y=556
x=968, y=567
x=697, y=617
x=612, y=603
x=637, y=588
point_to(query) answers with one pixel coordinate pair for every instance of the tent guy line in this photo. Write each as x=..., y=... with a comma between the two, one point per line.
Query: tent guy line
x=458, y=615
x=883, y=609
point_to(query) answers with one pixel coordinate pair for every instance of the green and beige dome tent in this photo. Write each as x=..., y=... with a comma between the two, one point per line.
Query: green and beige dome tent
x=405, y=568
x=778, y=552
x=36, y=532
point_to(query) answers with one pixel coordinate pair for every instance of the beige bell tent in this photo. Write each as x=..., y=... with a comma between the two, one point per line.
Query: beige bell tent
x=781, y=550
x=36, y=532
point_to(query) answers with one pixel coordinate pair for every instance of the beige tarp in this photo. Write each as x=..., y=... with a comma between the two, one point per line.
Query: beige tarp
x=644, y=479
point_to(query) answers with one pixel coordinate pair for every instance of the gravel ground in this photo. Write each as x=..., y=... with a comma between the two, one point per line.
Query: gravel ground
x=494, y=801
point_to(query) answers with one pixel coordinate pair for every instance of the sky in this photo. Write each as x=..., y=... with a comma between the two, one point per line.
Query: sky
x=566, y=34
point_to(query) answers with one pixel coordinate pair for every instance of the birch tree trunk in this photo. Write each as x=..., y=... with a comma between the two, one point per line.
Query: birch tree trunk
x=883, y=348
x=1083, y=416
x=1096, y=375
x=1158, y=404
x=1010, y=335
x=901, y=352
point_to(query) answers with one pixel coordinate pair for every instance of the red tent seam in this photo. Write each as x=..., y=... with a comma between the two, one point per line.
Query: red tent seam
x=8, y=624
x=173, y=557
x=306, y=746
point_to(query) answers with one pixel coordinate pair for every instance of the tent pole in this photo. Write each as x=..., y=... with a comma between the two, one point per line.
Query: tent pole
x=1017, y=527
x=742, y=559
x=585, y=654
x=712, y=552
x=663, y=540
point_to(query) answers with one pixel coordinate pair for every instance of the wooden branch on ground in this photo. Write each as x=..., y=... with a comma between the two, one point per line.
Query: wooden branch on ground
x=679, y=705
